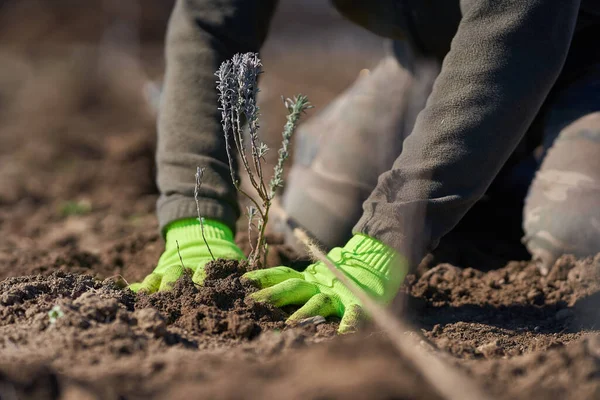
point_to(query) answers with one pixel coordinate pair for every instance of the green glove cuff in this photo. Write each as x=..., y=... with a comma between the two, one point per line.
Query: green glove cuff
x=189, y=230
x=377, y=268
x=378, y=256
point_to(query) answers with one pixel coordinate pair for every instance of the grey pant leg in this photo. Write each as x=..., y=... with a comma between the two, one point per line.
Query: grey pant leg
x=562, y=209
x=341, y=152
x=201, y=35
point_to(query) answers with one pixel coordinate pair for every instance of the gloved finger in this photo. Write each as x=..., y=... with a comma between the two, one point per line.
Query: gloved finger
x=135, y=287
x=354, y=316
x=292, y=291
x=199, y=275
x=320, y=304
x=170, y=276
x=150, y=284
x=264, y=278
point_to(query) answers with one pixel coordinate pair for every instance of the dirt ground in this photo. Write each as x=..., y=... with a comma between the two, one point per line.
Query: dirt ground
x=77, y=199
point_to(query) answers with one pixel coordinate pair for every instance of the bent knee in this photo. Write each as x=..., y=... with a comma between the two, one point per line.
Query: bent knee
x=551, y=232
x=562, y=211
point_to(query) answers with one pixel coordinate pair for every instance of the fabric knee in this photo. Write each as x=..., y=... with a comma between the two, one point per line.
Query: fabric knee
x=562, y=210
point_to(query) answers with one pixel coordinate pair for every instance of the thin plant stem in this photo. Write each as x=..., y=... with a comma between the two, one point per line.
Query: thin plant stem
x=238, y=138
x=199, y=176
x=262, y=236
x=251, y=214
x=119, y=276
x=179, y=254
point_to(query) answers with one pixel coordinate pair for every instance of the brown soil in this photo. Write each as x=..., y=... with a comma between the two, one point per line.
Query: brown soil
x=77, y=218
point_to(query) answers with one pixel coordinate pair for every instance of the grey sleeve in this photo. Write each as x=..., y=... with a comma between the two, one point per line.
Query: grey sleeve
x=201, y=35
x=504, y=59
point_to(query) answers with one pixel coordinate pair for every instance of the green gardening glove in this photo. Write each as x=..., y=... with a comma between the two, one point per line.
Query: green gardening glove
x=193, y=250
x=373, y=266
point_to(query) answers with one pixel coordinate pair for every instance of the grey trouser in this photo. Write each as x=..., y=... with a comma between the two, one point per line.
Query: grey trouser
x=341, y=152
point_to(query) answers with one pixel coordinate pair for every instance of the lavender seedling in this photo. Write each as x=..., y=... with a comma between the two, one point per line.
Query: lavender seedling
x=237, y=85
x=199, y=175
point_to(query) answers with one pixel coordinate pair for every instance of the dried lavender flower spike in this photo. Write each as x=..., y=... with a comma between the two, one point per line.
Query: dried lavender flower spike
x=296, y=107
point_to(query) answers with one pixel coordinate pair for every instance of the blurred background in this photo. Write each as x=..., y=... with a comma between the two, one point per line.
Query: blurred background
x=77, y=126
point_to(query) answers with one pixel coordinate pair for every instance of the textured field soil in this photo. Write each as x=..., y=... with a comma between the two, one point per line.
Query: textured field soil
x=77, y=221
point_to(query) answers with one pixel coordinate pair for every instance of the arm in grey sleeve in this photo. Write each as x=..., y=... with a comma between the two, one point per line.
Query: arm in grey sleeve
x=504, y=59
x=201, y=35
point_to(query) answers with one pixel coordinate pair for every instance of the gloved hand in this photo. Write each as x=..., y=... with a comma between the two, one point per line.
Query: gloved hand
x=373, y=266
x=193, y=251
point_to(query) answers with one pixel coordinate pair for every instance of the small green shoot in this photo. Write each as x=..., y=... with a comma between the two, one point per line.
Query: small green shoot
x=72, y=207
x=55, y=313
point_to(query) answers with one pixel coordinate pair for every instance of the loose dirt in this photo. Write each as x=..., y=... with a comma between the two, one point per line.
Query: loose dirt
x=520, y=334
x=77, y=199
